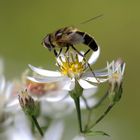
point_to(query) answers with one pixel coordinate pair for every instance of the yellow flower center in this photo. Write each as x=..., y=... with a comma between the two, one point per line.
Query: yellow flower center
x=115, y=76
x=73, y=68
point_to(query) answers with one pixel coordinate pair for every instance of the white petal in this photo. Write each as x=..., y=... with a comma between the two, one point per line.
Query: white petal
x=57, y=109
x=87, y=93
x=94, y=56
x=85, y=85
x=55, y=131
x=69, y=85
x=123, y=68
x=91, y=79
x=2, y=84
x=46, y=79
x=97, y=73
x=91, y=102
x=15, y=102
x=96, y=80
x=44, y=72
x=105, y=72
x=8, y=90
x=80, y=58
x=21, y=130
x=56, y=96
x=101, y=74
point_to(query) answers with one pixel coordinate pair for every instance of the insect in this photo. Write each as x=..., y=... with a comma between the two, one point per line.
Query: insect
x=69, y=37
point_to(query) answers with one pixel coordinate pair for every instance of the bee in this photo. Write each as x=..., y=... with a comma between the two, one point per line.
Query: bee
x=69, y=37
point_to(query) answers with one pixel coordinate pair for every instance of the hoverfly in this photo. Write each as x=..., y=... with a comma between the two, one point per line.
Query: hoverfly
x=69, y=37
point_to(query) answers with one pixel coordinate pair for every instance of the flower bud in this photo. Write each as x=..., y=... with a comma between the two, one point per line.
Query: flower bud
x=27, y=103
x=116, y=79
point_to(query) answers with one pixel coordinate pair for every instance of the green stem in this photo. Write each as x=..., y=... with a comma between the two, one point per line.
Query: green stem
x=86, y=103
x=32, y=126
x=89, y=113
x=78, y=109
x=91, y=109
x=101, y=100
x=102, y=116
x=88, y=120
x=37, y=125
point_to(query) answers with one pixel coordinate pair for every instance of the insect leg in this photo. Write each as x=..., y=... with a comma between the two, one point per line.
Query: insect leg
x=60, y=51
x=77, y=51
x=91, y=69
x=67, y=48
x=85, y=61
x=55, y=53
x=86, y=52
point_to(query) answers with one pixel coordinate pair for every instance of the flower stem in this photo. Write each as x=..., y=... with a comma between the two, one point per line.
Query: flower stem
x=78, y=109
x=102, y=116
x=90, y=109
x=32, y=125
x=101, y=100
x=88, y=120
x=37, y=125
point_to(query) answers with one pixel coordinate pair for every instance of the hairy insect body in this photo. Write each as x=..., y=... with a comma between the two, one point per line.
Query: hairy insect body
x=68, y=37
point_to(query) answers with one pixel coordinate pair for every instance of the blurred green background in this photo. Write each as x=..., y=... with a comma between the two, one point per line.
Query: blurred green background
x=23, y=24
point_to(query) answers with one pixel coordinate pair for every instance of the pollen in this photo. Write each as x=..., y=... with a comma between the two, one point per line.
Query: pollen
x=115, y=76
x=72, y=67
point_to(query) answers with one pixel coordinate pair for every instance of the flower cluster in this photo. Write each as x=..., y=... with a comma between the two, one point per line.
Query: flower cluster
x=75, y=81
x=47, y=96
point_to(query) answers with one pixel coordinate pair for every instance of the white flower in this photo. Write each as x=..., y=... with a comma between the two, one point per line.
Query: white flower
x=55, y=131
x=6, y=114
x=8, y=92
x=21, y=130
x=71, y=68
x=10, y=96
x=116, y=72
x=5, y=89
x=66, y=106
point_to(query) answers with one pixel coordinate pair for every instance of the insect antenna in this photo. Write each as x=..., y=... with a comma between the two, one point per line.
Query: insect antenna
x=93, y=18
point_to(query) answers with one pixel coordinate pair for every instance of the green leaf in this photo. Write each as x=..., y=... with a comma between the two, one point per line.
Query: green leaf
x=94, y=133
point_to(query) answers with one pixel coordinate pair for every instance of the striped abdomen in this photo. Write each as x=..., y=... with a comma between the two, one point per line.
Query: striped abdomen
x=88, y=40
